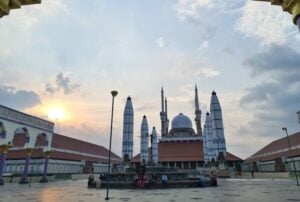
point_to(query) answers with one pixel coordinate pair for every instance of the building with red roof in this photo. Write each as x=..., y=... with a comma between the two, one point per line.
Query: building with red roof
x=185, y=155
x=276, y=156
x=67, y=155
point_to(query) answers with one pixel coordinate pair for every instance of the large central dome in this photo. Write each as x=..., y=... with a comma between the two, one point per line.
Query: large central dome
x=181, y=121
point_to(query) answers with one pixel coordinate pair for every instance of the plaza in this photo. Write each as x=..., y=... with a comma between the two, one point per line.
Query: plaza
x=246, y=190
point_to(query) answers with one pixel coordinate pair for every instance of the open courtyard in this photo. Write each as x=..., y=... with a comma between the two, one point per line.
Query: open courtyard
x=245, y=190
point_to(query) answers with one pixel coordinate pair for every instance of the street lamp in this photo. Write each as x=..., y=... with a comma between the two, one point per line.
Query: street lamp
x=298, y=113
x=114, y=94
x=291, y=6
x=287, y=136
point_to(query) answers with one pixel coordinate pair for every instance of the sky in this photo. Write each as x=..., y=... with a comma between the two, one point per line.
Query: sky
x=68, y=56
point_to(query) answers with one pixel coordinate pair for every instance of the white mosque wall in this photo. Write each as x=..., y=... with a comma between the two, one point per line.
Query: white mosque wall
x=37, y=166
x=14, y=121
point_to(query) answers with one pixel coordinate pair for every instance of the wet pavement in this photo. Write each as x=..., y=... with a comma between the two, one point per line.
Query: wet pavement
x=233, y=190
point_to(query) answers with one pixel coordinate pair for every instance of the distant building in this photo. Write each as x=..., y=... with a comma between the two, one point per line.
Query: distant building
x=28, y=145
x=68, y=155
x=184, y=148
x=186, y=155
x=276, y=156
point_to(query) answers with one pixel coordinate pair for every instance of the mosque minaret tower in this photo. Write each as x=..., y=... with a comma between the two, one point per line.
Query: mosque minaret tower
x=208, y=143
x=144, y=140
x=154, y=146
x=217, y=125
x=164, y=115
x=127, y=146
x=197, y=113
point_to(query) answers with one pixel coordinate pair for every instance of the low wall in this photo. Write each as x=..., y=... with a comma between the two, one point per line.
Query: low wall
x=260, y=175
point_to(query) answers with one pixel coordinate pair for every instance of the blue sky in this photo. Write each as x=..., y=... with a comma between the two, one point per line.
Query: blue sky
x=70, y=54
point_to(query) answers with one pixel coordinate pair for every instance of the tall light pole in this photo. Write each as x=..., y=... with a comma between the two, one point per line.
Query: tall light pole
x=291, y=6
x=114, y=94
x=287, y=136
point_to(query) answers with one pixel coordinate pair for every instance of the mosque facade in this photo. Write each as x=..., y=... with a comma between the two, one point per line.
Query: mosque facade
x=183, y=147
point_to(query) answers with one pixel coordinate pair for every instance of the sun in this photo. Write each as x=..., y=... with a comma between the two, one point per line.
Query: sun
x=56, y=113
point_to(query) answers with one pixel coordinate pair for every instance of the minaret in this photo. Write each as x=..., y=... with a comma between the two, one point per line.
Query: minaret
x=127, y=146
x=166, y=113
x=209, y=148
x=217, y=126
x=144, y=140
x=154, y=146
x=163, y=115
x=197, y=113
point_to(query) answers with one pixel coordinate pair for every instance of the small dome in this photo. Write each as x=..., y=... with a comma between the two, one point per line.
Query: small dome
x=181, y=121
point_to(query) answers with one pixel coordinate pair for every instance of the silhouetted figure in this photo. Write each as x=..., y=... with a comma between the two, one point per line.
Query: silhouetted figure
x=91, y=181
x=252, y=174
x=213, y=179
x=164, y=179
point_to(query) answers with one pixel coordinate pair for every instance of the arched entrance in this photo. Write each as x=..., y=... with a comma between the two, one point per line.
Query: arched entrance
x=22, y=132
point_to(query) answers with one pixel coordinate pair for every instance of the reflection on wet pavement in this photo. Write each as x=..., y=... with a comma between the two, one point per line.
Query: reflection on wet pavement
x=247, y=190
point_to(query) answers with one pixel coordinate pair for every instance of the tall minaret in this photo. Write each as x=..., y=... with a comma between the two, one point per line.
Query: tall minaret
x=127, y=146
x=163, y=115
x=154, y=146
x=217, y=125
x=144, y=140
x=197, y=113
x=209, y=147
x=166, y=113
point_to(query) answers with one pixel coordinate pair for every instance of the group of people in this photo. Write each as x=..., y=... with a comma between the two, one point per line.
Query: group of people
x=143, y=181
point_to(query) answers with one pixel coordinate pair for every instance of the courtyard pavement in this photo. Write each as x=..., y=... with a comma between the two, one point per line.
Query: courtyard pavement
x=229, y=190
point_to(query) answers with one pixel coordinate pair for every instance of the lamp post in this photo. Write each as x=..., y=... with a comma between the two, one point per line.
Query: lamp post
x=114, y=94
x=287, y=136
x=291, y=6
x=298, y=113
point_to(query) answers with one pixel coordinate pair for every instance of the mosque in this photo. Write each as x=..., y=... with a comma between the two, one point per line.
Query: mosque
x=181, y=147
x=29, y=146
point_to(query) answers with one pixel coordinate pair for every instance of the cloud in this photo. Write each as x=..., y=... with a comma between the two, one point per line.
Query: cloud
x=279, y=60
x=208, y=72
x=203, y=46
x=268, y=24
x=274, y=103
x=62, y=83
x=18, y=99
x=191, y=8
x=160, y=42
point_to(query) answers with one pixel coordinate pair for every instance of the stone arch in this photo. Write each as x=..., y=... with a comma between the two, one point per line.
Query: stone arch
x=42, y=140
x=2, y=131
x=21, y=137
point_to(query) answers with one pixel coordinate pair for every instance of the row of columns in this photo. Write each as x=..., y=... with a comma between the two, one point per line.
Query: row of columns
x=24, y=178
x=182, y=164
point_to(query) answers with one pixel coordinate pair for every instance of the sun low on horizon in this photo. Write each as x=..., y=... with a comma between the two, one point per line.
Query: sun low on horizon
x=57, y=113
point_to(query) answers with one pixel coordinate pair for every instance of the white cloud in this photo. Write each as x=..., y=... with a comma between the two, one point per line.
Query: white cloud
x=189, y=8
x=269, y=24
x=160, y=42
x=203, y=46
x=208, y=72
